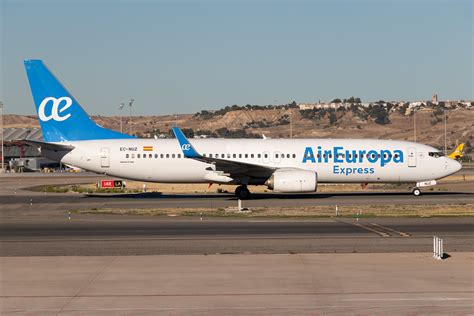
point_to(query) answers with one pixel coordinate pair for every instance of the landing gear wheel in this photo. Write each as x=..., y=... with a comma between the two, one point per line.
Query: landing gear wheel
x=242, y=192
x=416, y=192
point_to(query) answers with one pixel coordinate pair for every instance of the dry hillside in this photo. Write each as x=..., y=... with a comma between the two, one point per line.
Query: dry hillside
x=274, y=123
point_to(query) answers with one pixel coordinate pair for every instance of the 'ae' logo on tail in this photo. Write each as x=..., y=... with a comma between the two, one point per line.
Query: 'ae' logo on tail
x=58, y=106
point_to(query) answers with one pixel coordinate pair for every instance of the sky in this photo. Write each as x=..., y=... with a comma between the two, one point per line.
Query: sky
x=184, y=56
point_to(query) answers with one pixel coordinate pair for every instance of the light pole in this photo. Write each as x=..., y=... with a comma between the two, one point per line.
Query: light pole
x=414, y=124
x=120, y=109
x=445, y=134
x=130, y=103
x=291, y=124
x=1, y=124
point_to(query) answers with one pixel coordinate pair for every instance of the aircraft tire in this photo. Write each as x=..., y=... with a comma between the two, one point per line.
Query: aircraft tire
x=242, y=192
x=416, y=192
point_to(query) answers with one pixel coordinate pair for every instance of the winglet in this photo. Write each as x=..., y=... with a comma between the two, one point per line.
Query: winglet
x=186, y=147
x=458, y=152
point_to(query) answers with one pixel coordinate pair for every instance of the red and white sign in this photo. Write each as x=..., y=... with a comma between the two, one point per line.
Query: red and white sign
x=107, y=184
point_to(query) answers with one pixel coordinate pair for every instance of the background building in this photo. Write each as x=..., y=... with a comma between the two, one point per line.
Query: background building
x=20, y=157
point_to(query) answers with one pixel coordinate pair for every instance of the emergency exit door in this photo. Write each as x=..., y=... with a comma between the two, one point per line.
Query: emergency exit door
x=105, y=157
x=411, y=157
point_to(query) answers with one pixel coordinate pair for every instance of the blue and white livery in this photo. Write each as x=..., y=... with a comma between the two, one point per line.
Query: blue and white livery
x=284, y=165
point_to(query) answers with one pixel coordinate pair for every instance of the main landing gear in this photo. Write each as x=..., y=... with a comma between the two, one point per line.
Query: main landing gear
x=242, y=192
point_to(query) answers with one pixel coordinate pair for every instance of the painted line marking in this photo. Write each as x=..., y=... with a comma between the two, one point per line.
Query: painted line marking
x=391, y=230
x=374, y=230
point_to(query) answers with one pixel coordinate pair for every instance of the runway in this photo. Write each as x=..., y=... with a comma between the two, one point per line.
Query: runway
x=62, y=202
x=117, y=235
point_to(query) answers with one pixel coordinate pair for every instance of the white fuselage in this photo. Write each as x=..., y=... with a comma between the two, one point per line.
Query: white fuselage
x=354, y=160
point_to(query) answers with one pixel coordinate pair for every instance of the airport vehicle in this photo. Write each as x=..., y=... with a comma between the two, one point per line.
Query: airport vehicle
x=284, y=165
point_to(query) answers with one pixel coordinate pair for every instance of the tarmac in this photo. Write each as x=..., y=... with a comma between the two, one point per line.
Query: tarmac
x=128, y=265
x=278, y=284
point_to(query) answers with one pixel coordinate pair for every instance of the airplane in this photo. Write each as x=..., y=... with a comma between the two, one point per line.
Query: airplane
x=283, y=165
x=458, y=153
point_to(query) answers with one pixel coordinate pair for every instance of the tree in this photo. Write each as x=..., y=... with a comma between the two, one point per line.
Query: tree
x=336, y=101
x=188, y=132
x=380, y=113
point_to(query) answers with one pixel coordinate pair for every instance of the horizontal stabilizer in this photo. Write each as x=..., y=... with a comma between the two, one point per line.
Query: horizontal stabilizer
x=50, y=146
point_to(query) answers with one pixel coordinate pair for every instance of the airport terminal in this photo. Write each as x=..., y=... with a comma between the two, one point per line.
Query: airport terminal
x=290, y=199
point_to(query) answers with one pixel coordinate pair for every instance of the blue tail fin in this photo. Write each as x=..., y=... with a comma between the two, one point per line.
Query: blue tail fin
x=61, y=117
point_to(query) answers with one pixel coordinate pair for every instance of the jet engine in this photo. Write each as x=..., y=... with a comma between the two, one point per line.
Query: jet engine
x=293, y=181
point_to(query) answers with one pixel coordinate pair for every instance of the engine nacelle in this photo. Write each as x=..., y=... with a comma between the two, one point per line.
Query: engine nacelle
x=293, y=181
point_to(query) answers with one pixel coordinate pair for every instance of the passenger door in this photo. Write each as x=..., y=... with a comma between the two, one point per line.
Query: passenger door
x=411, y=157
x=105, y=157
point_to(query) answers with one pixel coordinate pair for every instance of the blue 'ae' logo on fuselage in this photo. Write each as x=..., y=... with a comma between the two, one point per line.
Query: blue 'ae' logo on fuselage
x=341, y=155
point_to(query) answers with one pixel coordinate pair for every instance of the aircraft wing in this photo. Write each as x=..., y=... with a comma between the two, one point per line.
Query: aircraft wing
x=235, y=169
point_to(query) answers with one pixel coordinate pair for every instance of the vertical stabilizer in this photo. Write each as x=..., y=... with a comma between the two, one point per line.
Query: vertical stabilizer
x=61, y=117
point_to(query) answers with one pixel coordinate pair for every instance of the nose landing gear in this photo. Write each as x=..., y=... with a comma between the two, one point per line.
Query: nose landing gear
x=416, y=192
x=242, y=192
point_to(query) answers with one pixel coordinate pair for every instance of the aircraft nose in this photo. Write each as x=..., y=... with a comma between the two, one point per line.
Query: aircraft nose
x=455, y=165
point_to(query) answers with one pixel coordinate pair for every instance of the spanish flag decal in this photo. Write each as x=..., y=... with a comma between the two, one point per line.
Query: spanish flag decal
x=147, y=148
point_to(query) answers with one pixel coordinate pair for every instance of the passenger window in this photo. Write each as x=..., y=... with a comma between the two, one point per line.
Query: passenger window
x=179, y=155
x=259, y=155
x=234, y=156
x=150, y=156
x=167, y=155
x=276, y=155
x=133, y=155
x=251, y=155
x=138, y=155
x=228, y=155
x=210, y=155
x=161, y=156
x=126, y=156
x=294, y=155
x=172, y=155
x=156, y=156
x=246, y=155
x=240, y=155
x=287, y=155
x=266, y=155
x=144, y=155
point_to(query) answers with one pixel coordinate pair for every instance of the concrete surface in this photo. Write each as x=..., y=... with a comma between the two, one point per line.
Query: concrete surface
x=127, y=235
x=310, y=284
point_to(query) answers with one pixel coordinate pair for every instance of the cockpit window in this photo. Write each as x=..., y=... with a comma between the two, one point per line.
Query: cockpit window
x=436, y=154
